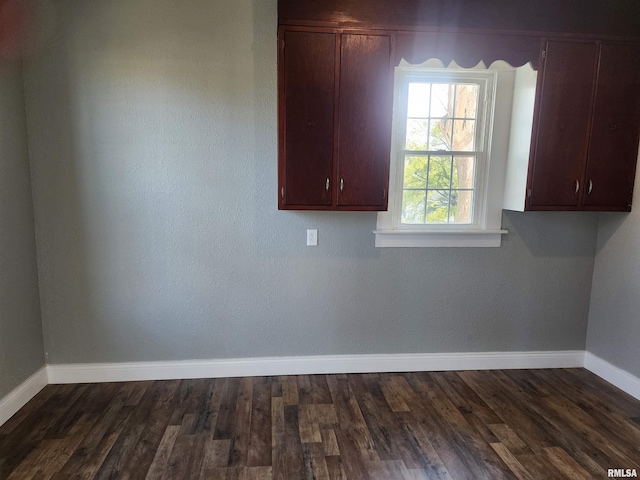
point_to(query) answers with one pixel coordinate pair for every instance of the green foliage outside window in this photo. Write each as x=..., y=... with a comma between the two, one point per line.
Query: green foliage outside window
x=432, y=181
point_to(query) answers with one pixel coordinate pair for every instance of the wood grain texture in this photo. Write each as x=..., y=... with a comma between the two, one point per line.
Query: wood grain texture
x=524, y=424
x=563, y=120
x=613, y=17
x=364, y=125
x=613, y=149
x=307, y=93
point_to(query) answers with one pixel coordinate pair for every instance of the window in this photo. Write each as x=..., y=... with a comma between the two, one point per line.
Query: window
x=448, y=156
x=442, y=148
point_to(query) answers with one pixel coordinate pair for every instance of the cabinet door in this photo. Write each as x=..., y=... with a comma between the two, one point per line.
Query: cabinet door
x=613, y=149
x=364, y=126
x=564, y=111
x=307, y=117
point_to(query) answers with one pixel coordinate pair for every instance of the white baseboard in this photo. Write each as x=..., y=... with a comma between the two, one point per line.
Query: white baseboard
x=19, y=396
x=612, y=374
x=308, y=365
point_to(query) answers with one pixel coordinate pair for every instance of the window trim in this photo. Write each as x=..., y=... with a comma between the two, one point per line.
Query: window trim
x=485, y=82
x=485, y=231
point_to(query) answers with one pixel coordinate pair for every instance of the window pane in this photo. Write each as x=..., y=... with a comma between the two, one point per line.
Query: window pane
x=442, y=100
x=461, y=206
x=418, y=105
x=438, y=187
x=437, y=206
x=413, y=206
x=415, y=172
x=463, y=172
x=440, y=135
x=417, y=134
x=464, y=135
x=440, y=172
x=466, y=101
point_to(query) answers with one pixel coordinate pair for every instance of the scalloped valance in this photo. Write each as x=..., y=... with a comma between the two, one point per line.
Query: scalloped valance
x=467, y=49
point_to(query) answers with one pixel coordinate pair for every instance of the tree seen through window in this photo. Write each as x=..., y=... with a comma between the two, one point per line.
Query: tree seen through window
x=440, y=153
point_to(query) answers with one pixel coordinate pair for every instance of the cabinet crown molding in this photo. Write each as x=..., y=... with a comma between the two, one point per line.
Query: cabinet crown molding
x=616, y=18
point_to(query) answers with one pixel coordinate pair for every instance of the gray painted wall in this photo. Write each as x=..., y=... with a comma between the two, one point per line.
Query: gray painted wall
x=614, y=316
x=154, y=162
x=21, y=347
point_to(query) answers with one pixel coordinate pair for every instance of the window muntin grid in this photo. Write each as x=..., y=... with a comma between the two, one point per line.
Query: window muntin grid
x=442, y=149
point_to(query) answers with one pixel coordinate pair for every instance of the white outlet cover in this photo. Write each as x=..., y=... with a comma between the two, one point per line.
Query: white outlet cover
x=312, y=237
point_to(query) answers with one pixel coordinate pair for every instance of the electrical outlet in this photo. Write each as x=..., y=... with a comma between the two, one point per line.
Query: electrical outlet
x=312, y=237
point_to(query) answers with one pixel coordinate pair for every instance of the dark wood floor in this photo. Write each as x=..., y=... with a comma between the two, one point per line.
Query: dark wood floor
x=525, y=424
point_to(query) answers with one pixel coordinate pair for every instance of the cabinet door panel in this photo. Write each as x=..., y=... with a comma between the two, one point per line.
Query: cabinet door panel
x=563, y=123
x=309, y=98
x=364, y=120
x=616, y=128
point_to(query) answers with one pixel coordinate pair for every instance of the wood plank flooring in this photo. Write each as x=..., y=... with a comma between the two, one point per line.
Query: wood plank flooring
x=513, y=424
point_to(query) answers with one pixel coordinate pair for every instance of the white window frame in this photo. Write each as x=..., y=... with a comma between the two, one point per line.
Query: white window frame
x=485, y=229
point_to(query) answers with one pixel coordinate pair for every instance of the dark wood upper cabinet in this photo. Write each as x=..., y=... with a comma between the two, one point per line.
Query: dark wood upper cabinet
x=586, y=127
x=564, y=111
x=364, y=122
x=308, y=115
x=335, y=93
x=587, y=17
x=335, y=119
x=615, y=130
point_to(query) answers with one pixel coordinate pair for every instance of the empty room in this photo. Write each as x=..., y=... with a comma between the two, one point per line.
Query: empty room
x=319, y=239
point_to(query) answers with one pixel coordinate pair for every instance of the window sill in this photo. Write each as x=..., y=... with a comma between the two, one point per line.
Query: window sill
x=449, y=238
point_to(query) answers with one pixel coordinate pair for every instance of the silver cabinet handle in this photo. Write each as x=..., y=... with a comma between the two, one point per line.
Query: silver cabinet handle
x=577, y=186
x=590, y=187
x=282, y=192
x=341, y=184
x=326, y=187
